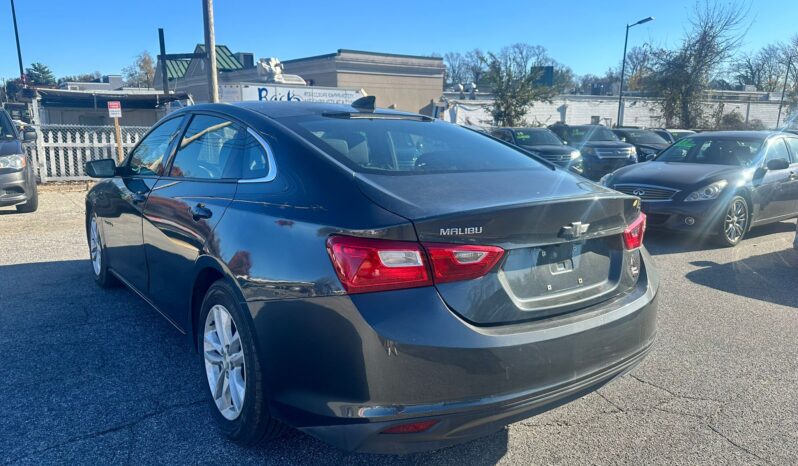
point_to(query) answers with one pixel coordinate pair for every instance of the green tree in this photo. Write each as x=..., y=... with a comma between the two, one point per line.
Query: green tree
x=39, y=74
x=142, y=72
x=513, y=74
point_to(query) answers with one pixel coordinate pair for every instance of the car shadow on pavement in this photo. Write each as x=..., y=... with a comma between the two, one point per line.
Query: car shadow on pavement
x=670, y=242
x=110, y=369
x=770, y=277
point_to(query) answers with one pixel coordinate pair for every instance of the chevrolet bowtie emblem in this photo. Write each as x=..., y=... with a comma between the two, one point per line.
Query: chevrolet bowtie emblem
x=574, y=230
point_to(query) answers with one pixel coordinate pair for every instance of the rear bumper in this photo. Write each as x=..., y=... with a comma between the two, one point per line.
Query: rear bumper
x=347, y=368
x=14, y=188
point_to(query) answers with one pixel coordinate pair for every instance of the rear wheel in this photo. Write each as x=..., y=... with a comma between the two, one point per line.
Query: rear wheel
x=734, y=224
x=232, y=371
x=98, y=256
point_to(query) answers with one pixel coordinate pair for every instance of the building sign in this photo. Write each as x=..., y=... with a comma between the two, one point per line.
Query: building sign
x=276, y=92
x=114, y=109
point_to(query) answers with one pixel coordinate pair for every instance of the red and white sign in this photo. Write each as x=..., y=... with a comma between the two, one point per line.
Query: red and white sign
x=114, y=109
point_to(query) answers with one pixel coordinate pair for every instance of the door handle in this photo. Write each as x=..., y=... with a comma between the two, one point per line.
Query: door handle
x=199, y=212
x=138, y=198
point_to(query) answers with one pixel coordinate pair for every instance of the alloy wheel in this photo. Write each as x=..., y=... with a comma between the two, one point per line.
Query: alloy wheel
x=224, y=362
x=736, y=220
x=94, y=246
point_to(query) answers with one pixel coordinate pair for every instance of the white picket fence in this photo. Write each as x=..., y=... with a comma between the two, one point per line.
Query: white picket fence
x=61, y=150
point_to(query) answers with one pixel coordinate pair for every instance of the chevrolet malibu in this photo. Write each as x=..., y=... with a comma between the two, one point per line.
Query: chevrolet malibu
x=377, y=305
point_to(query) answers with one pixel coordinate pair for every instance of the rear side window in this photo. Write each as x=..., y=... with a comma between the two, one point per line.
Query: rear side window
x=398, y=146
x=148, y=157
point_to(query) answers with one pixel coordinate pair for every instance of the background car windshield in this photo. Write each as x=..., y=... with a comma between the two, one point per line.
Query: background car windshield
x=644, y=137
x=539, y=137
x=590, y=133
x=740, y=152
x=408, y=146
x=6, y=131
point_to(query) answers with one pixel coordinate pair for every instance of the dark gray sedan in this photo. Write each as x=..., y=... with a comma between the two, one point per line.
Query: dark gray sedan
x=383, y=305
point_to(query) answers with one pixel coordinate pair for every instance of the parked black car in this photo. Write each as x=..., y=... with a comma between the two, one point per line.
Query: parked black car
x=544, y=143
x=720, y=183
x=647, y=143
x=602, y=151
x=672, y=135
x=17, y=178
x=380, y=307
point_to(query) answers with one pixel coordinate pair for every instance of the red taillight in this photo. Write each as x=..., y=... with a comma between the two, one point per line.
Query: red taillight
x=411, y=428
x=453, y=262
x=365, y=265
x=633, y=234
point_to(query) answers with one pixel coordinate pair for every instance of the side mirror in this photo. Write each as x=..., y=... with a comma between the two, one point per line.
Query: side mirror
x=29, y=135
x=105, y=168
x=777, y=164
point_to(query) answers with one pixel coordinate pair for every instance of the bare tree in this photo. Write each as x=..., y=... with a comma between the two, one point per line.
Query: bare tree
x=457, y=71
x=475, y=65
x=682, y=76
x=142, y=72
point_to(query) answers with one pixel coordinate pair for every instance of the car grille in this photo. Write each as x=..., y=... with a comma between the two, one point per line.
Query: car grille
x=657, y=219
x=647, y=193
x=557, y=158
x=621, y=153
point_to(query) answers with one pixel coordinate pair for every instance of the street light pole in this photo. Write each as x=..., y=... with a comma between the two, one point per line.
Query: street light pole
x=19, y=50
x=784, y=89
x=619, y=120
x=210, y=50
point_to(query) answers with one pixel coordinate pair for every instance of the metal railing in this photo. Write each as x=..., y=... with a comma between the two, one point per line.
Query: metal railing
x=59, y=152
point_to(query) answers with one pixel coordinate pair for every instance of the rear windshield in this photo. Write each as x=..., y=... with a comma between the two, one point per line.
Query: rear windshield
x=741, y=152
x=536, y=137
x=589, y=133
x=407, y=146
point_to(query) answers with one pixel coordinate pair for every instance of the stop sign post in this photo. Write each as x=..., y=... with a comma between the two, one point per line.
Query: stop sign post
x=115, y=112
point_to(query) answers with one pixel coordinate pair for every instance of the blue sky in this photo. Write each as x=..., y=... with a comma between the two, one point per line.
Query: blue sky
x=93, y=35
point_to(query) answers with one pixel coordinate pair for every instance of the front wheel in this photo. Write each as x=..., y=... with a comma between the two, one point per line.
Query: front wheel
x=32, y=204
x=233, y=375
x=734, y=224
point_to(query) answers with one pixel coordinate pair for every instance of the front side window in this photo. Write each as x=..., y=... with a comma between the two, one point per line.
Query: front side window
x=793, y=143
x=777, y=149
x=399, y=146
x=148, y=157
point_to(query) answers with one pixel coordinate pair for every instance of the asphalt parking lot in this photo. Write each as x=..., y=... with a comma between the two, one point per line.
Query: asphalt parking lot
x=91, y=376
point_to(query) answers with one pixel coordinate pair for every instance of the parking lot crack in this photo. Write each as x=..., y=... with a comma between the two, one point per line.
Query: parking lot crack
x=118, y=428
x=674, y=394
x=737, y=445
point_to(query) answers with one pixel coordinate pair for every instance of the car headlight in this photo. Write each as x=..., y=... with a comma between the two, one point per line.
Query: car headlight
x=633, y=153
x=14, y=162
x=605, y=180
x=575, y=154
x=708, y=192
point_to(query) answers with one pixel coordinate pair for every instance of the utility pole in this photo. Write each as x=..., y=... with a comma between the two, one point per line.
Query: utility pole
x=210, y=50
x=162, y=57
x=784, y=89
x=619, y=120
x=19, y=50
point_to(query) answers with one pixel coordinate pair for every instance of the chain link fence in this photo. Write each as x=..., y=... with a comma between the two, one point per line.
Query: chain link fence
x=59, y=152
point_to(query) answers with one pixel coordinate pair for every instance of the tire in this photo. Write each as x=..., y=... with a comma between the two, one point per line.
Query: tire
x=98, y=255
x=229, y=360
x=32, y=204
x=734, y=223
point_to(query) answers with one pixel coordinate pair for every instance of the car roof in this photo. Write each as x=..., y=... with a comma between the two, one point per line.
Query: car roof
x=738, y=134
x=283, y=109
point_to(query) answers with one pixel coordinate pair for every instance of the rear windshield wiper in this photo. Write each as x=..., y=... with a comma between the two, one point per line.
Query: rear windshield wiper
x=375, y=116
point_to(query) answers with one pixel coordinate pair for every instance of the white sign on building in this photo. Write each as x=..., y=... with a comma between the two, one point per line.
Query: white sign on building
x=278, y=92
